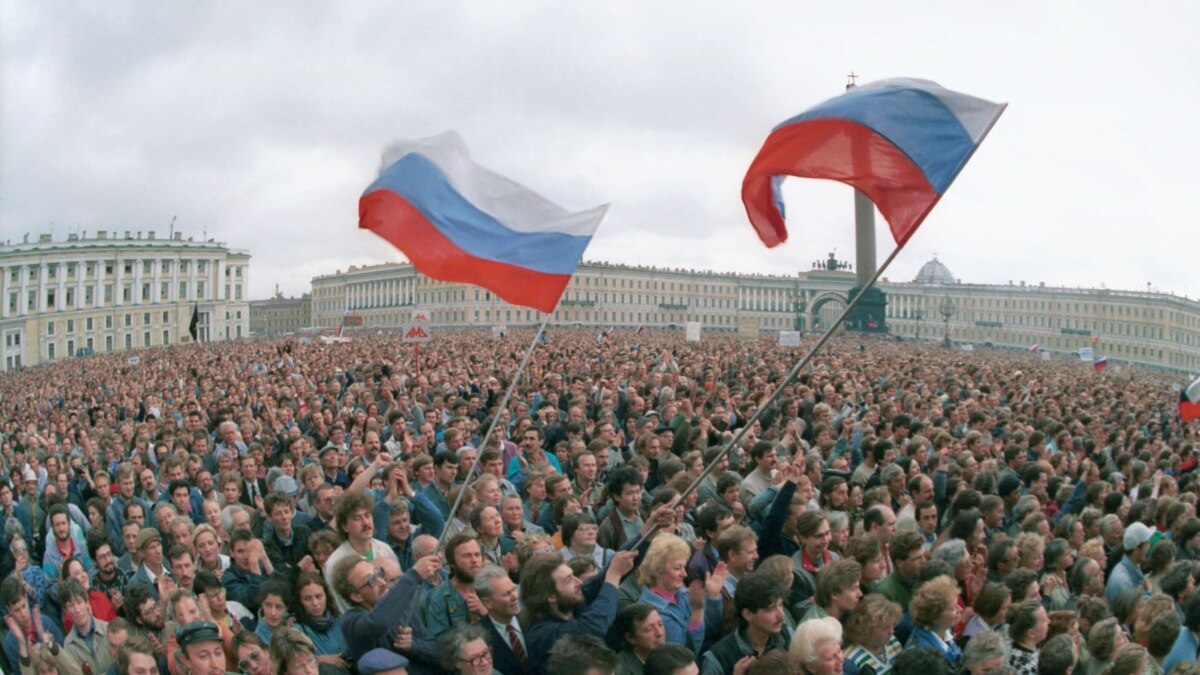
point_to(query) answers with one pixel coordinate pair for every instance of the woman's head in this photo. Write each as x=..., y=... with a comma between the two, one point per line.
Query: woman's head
x=985, y=653
x=935, y=604
x=579, y=529
x=253, y=655
x=816, y=647
x=872, y=623
x=1105, y=638
x=465, y=650
x=292, y=653
x=313, y=596
x=665, y=563
x=1028, y=622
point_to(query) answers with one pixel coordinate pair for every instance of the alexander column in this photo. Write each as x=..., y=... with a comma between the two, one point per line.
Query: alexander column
x=870, y=315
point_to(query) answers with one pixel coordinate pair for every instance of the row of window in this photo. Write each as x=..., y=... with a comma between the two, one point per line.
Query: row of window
x=128, y=266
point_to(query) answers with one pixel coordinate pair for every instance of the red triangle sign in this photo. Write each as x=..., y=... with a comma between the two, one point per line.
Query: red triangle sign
x=416, y=332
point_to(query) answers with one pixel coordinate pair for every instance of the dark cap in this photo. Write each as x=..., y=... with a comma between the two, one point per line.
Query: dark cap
x=196, y=632
x=380, y=661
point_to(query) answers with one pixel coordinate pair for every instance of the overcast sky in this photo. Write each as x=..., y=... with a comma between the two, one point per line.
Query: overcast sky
x=261, y=124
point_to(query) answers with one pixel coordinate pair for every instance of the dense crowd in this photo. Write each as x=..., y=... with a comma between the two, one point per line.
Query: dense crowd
x=277, y=506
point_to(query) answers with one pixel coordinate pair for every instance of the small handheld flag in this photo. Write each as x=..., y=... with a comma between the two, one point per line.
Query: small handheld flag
x=901, y=142
x=1193, y=391
x=1187, y=409
x=1100, y=363
x=457, y=221
x=195, y=322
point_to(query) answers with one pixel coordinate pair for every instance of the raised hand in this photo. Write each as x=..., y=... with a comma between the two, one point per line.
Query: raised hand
x=714, y=582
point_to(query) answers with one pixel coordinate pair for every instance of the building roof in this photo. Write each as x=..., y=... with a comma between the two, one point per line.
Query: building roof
x=934, y=272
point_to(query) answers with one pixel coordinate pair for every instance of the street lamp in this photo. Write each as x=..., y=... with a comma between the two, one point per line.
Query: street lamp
x=947, y=310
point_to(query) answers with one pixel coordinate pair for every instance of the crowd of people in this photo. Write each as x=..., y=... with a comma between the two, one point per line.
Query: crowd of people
x=288, y=507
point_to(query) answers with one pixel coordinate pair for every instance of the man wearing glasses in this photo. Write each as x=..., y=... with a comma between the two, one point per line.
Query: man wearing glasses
x=385, y=619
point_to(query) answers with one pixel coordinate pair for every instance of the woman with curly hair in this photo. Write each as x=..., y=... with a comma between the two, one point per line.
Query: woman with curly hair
x=870, y=635
x=935, y=612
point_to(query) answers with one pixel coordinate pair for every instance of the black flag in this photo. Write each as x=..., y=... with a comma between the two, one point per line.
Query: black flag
x=195, y=321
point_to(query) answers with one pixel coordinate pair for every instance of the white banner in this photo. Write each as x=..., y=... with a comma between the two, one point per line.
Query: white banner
x=693, y=331
x=789, y=338
x=1086, y=354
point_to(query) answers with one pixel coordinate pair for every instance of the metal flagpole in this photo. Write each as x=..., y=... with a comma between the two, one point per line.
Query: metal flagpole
x=775, y=394
x=495, y=420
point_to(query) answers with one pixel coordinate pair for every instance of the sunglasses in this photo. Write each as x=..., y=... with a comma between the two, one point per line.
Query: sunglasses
x=251, y=659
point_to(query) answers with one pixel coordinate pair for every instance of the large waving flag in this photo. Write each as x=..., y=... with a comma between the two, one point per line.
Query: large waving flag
x=457, y=221
x=901, y=142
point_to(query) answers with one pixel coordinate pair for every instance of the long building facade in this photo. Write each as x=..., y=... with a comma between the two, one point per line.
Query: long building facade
x=279, y=315
x=109, y=293
x=1146, y=328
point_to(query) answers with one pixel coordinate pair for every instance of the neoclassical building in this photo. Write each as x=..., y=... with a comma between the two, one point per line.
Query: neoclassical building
x=116, y=292
x=1148, y=328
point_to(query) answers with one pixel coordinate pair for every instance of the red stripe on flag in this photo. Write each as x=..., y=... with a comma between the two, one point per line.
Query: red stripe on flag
x=846, y=152
x=392, y=217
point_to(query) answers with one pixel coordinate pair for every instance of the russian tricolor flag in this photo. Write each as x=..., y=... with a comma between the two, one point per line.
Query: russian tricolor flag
x=1100, y=363
x=901, y=142
x=457, y=221
x=1188, y=409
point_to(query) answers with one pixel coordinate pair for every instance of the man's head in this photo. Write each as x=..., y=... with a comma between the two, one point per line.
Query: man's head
x=359, y=582
x=60, y=523
x=498, y=593
x=280, y=512
x=445, y=468
x=149, y=546
x=183, y=565
x=908, y=555
x=464, y=556
x=550, y=588
x=625, y=487
x=200, y=651
x=135, y=655
x=355, y=518
x=880, y=522
x=581, y=655
x=145, y=611
x=738, y=547
x=242, y=550
x=759, y=603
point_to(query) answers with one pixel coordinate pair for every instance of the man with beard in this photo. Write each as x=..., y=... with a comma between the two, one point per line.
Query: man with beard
x=376, y=616
x=556, y=604
x=106, y=576
x=64, y=544
x=455, y=603
x=759, y=605
x=144, y=612
x=354, y=515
